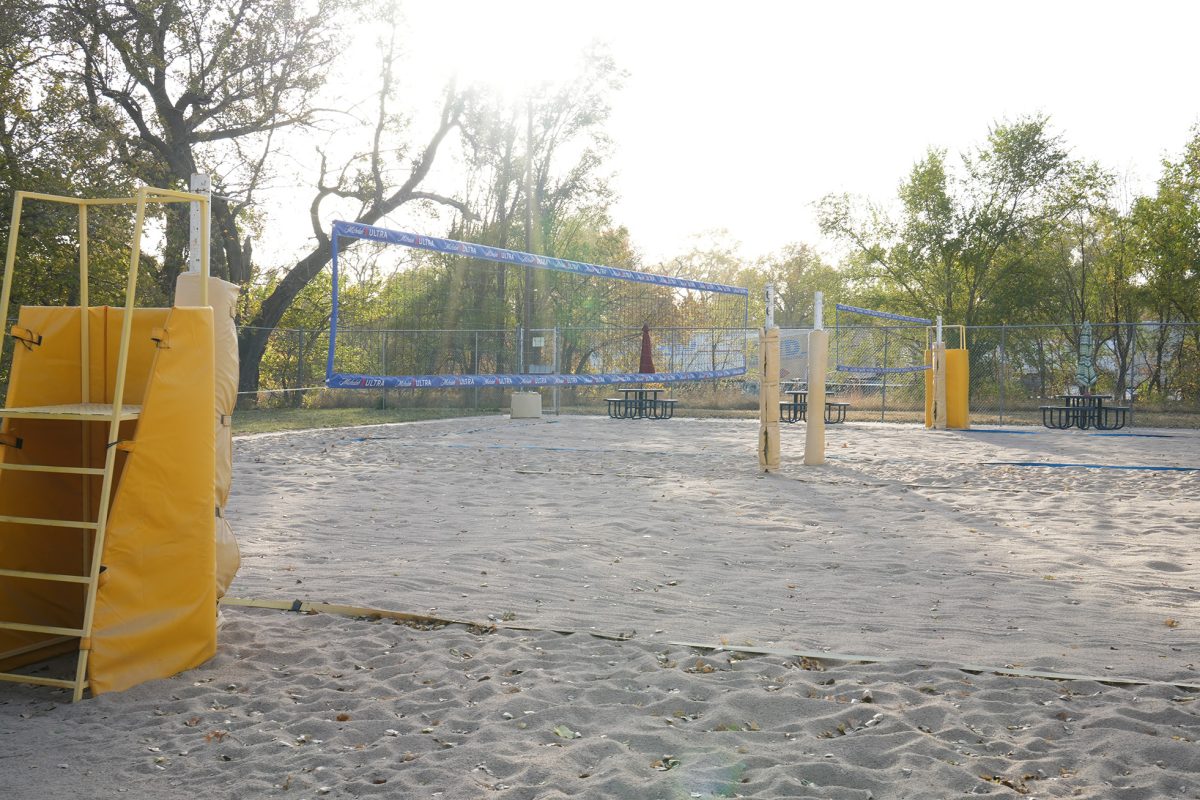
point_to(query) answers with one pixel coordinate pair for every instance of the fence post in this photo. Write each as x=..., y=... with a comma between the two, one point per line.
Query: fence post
x=1003, y=367
x=883, y=390
x=476, y=369
x=521, y=350
x=1133, y=395
x=557, y=370
x=385, y=368
x=300, y=381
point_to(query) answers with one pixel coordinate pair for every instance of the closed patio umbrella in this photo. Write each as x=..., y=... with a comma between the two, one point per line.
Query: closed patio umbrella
x=646, y=363
x=1085, y=370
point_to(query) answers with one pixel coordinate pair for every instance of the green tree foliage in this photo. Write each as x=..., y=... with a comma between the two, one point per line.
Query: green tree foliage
x=968, y=243
x=1166, y=232
x=186, y=86
x=1168, y=229
x=43, y=149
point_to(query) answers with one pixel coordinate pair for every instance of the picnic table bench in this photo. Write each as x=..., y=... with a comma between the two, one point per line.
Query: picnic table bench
x=640, y=403
x=1084, y=411
x=796, y=409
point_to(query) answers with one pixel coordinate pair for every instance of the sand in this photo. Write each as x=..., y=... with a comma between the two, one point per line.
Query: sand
x=917, y=552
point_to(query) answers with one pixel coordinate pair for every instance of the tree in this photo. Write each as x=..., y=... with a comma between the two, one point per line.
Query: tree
x=796, y=273
x=186, y=86
x=535, y=182
x=1168, y=229
x=965, y=243
x=364, y=185
x=43, y=148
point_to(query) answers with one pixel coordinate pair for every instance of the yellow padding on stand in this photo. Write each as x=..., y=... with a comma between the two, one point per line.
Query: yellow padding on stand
x=156, y=610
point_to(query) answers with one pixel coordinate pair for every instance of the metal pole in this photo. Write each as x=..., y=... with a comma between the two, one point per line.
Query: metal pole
x=883, y=391
x=1133, y=375
x=555, y=368
x=1003, y=368
x=299, y=362
x=476, y=369
x=200, y=184
x=521, y=349
x=385, y=367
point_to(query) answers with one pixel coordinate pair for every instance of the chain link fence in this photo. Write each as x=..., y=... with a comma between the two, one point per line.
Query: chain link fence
x=1152, y=368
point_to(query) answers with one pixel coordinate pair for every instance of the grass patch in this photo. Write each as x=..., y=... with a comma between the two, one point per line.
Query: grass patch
x=267, y=420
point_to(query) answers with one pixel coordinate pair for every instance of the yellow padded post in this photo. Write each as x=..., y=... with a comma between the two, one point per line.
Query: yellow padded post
x=768, y=400
x=814, y=433
x=156, y=609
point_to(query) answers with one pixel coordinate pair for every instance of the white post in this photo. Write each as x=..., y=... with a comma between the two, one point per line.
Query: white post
x=770, y=305
x=939, y=380
x=818, y=354
x=199, y=184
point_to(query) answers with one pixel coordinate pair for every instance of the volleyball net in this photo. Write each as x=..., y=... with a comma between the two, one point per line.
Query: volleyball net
x=414, y=311
x=870, y=342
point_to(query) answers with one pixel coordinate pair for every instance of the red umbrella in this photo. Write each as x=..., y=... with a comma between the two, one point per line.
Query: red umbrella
x=646, y=363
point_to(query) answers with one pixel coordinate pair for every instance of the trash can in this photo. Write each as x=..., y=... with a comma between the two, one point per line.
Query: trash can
x=526, y=405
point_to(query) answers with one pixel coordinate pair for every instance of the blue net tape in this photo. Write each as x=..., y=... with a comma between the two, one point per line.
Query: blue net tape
x=342, y=380
x=356, y=230
x=884, y=314
x=881, y=370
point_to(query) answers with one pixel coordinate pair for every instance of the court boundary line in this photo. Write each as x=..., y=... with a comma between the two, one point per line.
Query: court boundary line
x=306, y=607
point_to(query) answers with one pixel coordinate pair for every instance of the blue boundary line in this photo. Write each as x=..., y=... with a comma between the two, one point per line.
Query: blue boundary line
x=1033, y=433
x=1088, y=466
x=1144, y=435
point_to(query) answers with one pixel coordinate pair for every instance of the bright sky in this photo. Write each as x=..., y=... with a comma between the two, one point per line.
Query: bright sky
x=741, y=115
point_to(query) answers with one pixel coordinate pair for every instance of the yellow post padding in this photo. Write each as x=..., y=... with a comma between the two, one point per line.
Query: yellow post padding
x=958, y=389
x=814, y=428
x=768, y=400
x=156, y=606
x=955, y=410
x=222, y=297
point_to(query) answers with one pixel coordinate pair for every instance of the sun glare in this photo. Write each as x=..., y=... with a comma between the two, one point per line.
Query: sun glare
x=511, y=50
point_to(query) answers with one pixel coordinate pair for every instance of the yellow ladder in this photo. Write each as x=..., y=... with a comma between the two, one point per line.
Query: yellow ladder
x=87, y=414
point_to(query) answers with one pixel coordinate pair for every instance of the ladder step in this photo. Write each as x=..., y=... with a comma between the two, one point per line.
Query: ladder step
x=44, y=576
x=53, y=523
x=16, y=677
x=21, y=626
x=85, y=412
x=60, y=470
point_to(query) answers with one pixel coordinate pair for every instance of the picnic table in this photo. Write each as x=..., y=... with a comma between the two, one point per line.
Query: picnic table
x=1084, y=411
x=640, y=402
x=796, y=409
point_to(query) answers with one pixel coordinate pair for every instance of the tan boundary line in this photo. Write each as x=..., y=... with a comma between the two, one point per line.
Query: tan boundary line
x=301, y=606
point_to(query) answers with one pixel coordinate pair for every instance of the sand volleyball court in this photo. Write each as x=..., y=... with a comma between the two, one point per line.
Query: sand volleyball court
x=653, y=617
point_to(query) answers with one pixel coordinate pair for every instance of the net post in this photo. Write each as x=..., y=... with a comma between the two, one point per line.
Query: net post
x=939, y=380
x=199, y=184
x=768, y=395
x=818, y=355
